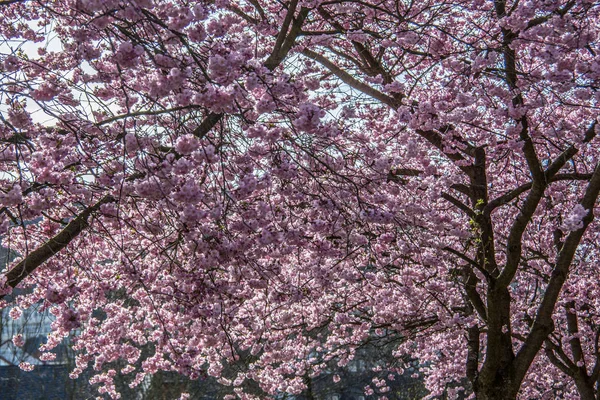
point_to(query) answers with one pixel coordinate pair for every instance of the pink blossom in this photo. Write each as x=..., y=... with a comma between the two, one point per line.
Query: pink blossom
x=19, y=117
x=574, y=219
x=11, y=63
x=45, y=92
x=25, y=366
x=15, y=313
x=186, y=144
x=18, y=340
x=54, y=296
x=48, y=356
x=128, y=55
x=308, y=117
x=13, y=197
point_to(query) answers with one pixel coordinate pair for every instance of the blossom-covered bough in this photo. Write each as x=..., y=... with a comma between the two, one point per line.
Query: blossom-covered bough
x=272, y=184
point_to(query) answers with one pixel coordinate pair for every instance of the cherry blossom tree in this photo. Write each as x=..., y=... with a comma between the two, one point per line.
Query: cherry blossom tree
x=273, y=184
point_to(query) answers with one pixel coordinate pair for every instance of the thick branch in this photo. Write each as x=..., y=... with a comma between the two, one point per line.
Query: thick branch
x=286, y=40
x=7, y=2
x=473, y=353
x=565, y=365
x=574, y=343
x=473, y=294
x=459, y=204
x=570, y=152
x=207, y=124
x=282, y=47
x=514, y=242
x=431, y=136
x=543, y=323
x=284, y=28
x=37, y=257
x=350, y=80
x=513, y=194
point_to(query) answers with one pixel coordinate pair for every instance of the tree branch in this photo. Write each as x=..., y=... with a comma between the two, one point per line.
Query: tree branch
x=459, y=204
x=40, y=255
x=543, y=323
x=351, y=81
x=511, y=195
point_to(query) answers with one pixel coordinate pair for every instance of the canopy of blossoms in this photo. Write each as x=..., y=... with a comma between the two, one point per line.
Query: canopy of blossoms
x=273, y=184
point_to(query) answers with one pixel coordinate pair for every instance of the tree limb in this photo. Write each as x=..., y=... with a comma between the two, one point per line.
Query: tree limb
x=40, y=255
x=543, y=323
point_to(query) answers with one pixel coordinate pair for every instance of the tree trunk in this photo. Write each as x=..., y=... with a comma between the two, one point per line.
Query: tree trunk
x=499, y=389
x=585, y=389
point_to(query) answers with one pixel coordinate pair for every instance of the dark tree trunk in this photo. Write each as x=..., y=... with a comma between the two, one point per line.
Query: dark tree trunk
x=585, y=389
x=498, y=390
